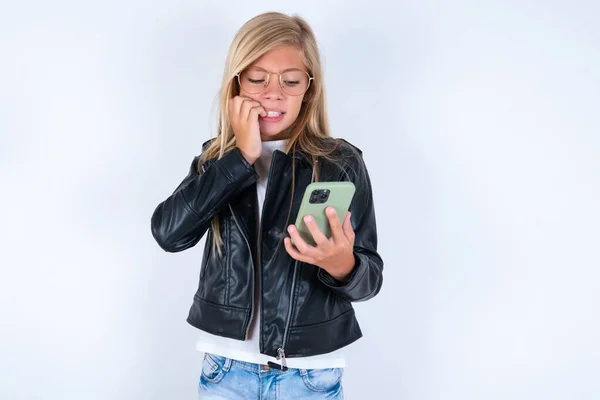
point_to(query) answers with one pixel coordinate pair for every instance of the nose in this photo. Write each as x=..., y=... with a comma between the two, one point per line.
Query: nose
x=273, y=89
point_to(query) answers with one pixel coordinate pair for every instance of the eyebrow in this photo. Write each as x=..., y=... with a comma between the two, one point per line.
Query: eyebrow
x=285, y=70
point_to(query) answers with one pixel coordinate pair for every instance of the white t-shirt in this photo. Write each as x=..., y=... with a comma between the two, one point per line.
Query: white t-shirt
x=248, y=350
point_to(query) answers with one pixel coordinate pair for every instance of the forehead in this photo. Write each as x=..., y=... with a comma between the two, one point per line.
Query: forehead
x=280, y=59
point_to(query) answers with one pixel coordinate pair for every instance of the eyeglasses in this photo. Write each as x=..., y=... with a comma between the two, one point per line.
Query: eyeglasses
x=294, y=82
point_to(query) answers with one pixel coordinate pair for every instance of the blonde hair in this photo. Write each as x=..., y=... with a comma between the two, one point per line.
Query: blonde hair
x=256, y=37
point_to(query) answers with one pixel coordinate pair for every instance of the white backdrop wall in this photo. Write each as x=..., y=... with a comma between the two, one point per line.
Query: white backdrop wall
x=479, y=124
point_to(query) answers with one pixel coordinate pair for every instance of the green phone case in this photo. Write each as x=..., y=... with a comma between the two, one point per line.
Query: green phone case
x=339, y=197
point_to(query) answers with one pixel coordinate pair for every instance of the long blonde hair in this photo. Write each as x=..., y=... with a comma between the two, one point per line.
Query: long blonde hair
x=255, y=38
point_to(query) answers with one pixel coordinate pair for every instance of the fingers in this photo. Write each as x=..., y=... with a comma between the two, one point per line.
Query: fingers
x=328, y=253
x=255, y=112
x=235, y=105
x=294, y=253
x=318, y=236
x=347, y=228
x=334, y=222
x=300, y=244
x=247, y=109
x=243, y=117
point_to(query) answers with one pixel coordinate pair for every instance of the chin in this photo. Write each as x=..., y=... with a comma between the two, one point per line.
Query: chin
x=271, y=132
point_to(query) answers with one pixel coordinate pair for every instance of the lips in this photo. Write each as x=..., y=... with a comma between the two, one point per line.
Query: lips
x=273, y=115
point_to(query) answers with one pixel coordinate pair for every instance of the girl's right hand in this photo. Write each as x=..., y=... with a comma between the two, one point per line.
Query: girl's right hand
x=243, y=117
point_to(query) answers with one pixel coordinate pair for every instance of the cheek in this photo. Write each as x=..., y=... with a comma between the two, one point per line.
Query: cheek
x=294, y=106
x=255, y=97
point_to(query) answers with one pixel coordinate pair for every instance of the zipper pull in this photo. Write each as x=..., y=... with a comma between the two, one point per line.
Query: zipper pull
x=281, y=356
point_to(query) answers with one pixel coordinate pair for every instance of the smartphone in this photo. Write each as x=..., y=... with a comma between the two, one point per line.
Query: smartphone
x=317, y=197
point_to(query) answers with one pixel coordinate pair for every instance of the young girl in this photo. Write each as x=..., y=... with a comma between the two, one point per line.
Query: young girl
x=273, y=317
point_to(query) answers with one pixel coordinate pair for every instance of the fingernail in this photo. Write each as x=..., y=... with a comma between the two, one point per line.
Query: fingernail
x=308, y=219
x=290, y=228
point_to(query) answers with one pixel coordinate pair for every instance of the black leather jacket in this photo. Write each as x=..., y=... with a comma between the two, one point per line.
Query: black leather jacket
x=304, y=310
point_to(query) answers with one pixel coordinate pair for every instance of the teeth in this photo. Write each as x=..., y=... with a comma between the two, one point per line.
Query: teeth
x=273, y=114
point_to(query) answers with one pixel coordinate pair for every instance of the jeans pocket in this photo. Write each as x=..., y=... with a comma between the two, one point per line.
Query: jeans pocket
x=322, y=380
x=215, y=367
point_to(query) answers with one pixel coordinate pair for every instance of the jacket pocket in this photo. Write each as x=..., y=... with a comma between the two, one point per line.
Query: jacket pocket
x=206, y=254
x=215, y=268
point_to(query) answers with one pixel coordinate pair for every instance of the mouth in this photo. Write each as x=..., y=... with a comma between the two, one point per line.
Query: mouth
x=273, y=116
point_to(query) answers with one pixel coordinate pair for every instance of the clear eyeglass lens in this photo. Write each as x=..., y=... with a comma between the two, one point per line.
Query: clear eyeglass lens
x=292, y=82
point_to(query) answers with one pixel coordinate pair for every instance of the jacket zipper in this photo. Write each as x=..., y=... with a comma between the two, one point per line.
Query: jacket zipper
x=253, y=273
x=260, y=230
x=281, y=350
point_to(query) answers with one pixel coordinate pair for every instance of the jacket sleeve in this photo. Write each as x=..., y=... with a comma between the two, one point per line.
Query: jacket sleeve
x=366, y=278
x=180, y=221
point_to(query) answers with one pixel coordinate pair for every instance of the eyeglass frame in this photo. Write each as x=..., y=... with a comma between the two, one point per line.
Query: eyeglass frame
x=269, y=73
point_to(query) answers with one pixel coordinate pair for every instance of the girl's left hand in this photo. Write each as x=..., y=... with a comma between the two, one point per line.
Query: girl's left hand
x=335, y=255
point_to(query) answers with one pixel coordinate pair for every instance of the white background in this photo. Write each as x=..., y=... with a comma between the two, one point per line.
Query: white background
x=479, y=124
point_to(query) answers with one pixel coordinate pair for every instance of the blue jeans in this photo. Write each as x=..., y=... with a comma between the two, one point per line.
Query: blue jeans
x=226, y=379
